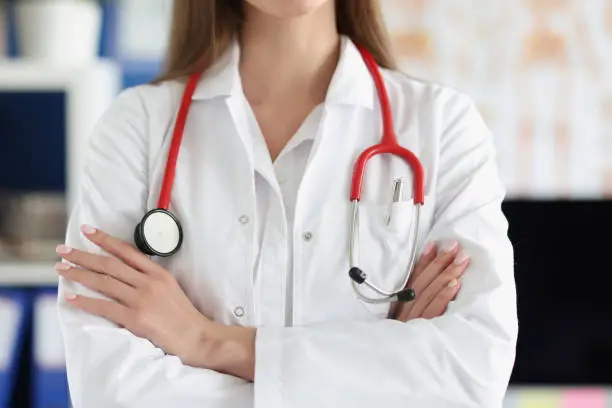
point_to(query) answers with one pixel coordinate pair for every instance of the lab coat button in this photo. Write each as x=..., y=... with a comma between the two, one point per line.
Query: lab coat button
x=239, y=311
x=307, y=236
x=243, y=219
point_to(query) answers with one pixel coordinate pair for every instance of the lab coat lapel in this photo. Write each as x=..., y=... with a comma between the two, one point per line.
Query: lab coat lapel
x=222, y=80
x=236, y=106
x=347, y=126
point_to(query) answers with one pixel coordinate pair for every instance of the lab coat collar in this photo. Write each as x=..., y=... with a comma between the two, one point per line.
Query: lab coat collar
x=223, y=78
x=351, y=83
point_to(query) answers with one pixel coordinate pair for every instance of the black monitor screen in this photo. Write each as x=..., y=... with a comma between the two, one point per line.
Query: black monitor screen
x=563, y=274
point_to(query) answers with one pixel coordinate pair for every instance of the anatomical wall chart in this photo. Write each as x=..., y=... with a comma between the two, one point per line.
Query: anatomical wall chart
x=540, y=72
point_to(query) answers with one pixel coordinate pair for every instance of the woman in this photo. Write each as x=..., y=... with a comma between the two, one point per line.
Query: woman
x=256, y=309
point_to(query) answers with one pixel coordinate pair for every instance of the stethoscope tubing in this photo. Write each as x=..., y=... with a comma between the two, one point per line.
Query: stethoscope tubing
x=177, y=138
x=388, y=145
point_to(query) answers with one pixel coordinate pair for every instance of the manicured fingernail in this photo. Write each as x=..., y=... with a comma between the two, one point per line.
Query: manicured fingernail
x=453, y=283
x=70, y=296
x=449, y=246
x=461, y=258
x=428, y=248
x=63, y=249
x=88, y=229
x=62, y=267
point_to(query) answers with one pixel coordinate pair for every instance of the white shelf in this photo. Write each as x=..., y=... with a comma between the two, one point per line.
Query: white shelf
x=27, y=274
x=23, y=75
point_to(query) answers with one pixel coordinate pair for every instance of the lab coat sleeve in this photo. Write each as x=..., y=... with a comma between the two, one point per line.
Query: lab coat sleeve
x=109, y=367
x=462, y=359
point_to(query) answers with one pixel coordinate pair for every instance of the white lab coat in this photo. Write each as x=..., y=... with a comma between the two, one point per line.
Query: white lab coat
x=338, y=351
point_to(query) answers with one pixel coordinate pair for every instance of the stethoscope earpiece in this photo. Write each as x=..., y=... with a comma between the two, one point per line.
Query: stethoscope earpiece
x=406, y=295
x=158, y=234
x=357, y=275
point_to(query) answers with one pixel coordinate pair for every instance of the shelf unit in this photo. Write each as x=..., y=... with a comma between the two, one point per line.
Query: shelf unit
x=27, y=274
x=89, y=91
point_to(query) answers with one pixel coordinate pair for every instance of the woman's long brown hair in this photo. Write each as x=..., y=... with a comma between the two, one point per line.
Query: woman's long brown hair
x=203, y=29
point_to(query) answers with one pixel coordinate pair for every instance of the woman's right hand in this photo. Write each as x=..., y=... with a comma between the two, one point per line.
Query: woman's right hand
x=436, y=281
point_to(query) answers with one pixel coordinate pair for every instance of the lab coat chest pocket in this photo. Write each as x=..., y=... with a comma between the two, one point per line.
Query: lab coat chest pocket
x=389, y=219
x=385, y=243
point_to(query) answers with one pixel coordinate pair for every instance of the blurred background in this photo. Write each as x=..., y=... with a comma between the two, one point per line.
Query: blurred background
x=539, y=70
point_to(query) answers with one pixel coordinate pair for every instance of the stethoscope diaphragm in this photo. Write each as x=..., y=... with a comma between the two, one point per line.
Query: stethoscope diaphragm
x=159, y=233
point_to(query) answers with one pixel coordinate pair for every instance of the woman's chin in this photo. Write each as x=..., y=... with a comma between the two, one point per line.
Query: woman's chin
x=287, y=8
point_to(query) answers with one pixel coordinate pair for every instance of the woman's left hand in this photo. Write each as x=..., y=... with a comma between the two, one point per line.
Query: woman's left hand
x=148, y=301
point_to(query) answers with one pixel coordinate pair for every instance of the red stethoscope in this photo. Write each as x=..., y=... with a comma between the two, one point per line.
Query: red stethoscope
x=160, y=232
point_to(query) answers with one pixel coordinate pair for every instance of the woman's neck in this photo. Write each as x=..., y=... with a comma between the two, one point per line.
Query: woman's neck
x=286, y=59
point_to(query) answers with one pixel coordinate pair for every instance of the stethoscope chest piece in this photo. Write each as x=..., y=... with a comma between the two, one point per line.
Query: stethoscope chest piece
x=159, y=233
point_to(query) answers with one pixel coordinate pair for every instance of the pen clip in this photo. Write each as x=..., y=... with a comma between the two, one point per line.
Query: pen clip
x=397, y=194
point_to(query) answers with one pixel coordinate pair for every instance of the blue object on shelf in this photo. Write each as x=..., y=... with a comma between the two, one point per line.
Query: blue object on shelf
x=49, y=382
x=13, y=320
x=108, y=43
x=139, y=72
x=11, y=32
x=33, y=141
